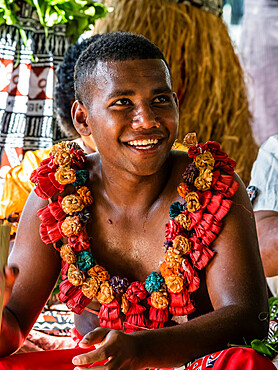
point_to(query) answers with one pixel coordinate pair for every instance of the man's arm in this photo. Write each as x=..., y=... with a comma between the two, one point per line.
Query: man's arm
x=267, y=228
x=237, y=290
x=39, y=267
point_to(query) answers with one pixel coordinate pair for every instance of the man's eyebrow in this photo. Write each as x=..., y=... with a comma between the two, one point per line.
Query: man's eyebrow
x=162, y=90
x=116, y=93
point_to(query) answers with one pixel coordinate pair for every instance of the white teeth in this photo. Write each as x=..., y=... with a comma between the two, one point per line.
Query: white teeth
x=144, y=142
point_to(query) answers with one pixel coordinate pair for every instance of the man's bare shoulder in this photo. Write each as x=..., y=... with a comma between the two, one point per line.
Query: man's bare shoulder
x=180, y=161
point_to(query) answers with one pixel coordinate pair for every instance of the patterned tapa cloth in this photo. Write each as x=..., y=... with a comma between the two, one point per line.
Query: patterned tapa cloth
x=26, y=87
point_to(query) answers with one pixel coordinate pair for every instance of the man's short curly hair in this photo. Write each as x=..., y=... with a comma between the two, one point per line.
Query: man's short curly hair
x=64, y=88
x=112, y=46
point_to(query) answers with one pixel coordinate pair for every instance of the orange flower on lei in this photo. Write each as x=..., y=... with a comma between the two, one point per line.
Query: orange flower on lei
x=184, y=220
x=72, y=203
x=71, y=226
x=192, y=202
x=90, y=287
x=125, y=304
x=174, y=283
x=182, y=244
x=182, y=190
x=204, y=161
x=67, y=254
x=85, y=195
x=75, y=276
x=173, y=258
x=204, y=181
x=62, y=158
x=159, y=299
x=100, y=272
x=65, y=175
x=106, y=294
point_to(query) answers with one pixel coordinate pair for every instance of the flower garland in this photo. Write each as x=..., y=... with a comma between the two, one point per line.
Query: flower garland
x=193, y=226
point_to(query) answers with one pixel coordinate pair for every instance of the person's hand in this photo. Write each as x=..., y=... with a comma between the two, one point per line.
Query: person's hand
x=10, y=274
x=120, y=350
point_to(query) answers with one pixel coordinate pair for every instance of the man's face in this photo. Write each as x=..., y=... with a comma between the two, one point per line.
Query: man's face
x=132, y=114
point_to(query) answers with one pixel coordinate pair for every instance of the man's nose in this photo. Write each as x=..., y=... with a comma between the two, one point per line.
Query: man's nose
x=145, y=118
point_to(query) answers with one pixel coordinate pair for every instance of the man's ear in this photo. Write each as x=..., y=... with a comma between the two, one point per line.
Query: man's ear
x=79, y=118
x=176, y=99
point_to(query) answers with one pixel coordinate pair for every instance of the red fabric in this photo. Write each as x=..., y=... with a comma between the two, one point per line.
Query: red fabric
x=190, y=276
x=204, y=198
x=77, y=302
x=42, y=360
x=172, y=229
x=158, y=317
x=136, y=291
x=199, y=253
x=109, y=315
x=51, y=233
x=135, y=319
x=239, y=358
x=78, y=159
x=225, y=184
x=204, y=225
x=236, y=358
x=79, y=242
x=180, y=303
x=222, y=161
x=44, y=179
x=195, y=217
x=64, y=269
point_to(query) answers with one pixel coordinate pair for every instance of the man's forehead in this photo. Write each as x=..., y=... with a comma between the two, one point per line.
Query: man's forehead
x=131, y=70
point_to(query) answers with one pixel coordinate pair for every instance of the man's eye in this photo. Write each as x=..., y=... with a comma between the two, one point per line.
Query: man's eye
x=122, y=101
x=161, y=99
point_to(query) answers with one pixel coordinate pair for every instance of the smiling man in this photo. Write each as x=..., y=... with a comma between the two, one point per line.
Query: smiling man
x=116, y=274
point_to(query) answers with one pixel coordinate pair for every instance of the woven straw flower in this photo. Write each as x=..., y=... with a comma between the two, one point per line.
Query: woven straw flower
x=204, y=181
x=182, y=244
x=73, y=145
x=165, y=270
x=75, y=276
x=174, y=283
x=183, y=220
x=67, y=254
x=65, y=175
x=192, y=200
x=63, y=146
x=190, y=139
x=204, y=161
x=62, y=158
x=182, y=190
x=105, y=296
x=90, y=287
x=159, y=299
x=85, y=195
x=173, y=258
x=125, y=304
x=71, y=226
x=100, y=272
x=72, y=203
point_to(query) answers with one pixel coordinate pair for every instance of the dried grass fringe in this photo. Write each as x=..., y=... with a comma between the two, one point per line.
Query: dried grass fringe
x=207, y=75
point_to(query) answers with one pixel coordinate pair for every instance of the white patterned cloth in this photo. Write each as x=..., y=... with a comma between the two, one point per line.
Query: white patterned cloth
x=264, y=176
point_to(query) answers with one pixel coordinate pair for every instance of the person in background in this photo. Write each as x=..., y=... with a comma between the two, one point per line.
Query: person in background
x=263, y=191
x=18, y=186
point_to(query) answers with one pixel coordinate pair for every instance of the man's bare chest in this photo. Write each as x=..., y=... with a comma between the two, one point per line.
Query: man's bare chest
x=128, y=245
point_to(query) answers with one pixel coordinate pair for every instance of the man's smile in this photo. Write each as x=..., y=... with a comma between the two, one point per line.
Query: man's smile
x=147, y=145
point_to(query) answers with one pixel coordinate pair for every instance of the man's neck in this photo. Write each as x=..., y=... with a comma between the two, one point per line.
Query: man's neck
x=125, y=190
